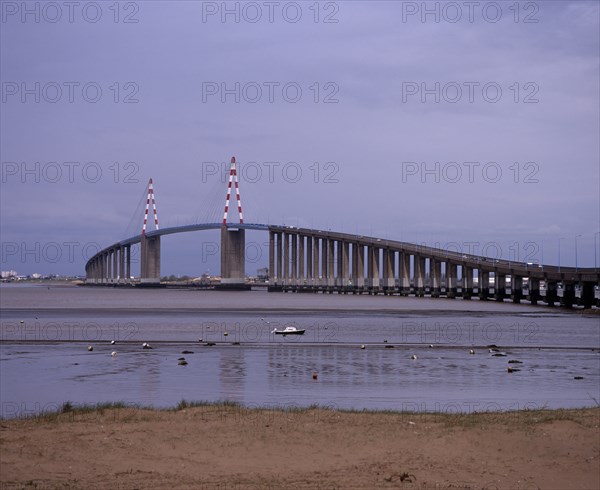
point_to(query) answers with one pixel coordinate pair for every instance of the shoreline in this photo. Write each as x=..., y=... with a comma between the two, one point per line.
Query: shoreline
x=224, y=445
x=69, y=411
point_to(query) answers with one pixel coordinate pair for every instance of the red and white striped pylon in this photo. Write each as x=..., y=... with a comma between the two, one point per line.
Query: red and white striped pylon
x=233, y=178
x=150, y=198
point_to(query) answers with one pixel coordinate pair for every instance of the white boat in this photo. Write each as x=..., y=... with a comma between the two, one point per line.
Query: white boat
x=289, y=331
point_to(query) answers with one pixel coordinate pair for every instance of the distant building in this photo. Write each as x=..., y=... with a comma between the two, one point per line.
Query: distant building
x=263, y=274
x=36, y=275
x=8, y=274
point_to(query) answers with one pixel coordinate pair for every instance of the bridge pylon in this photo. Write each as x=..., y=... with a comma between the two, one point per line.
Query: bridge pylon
x=233, y=242
x=150, y=246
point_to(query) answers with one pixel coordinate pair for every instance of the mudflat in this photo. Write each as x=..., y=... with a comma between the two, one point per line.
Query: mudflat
x=224, y=446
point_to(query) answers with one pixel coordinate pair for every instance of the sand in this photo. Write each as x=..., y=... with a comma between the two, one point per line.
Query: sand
x=228, y=447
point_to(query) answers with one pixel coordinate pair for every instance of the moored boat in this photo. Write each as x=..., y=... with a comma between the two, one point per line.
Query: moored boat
x=289, y=331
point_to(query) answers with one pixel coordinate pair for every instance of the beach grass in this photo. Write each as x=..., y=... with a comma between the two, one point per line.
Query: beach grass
x=515, y=419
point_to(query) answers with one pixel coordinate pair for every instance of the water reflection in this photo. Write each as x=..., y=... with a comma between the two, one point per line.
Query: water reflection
x=44, y=360
x=273, y=375
x=232, y=374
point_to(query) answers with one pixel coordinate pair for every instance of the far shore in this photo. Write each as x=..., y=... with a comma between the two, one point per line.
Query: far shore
x=224, y=445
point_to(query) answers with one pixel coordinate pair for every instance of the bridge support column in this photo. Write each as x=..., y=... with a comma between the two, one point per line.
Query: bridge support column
x=233, y=260
x=548, y=292
x=109, y=264
x=568, y=295
x=389, y=263
x=345, y=264
x=499, y=287
x=373, y=269
x=286, y=259
x=150, y=264
x=419, y=275
x=324, y=263
x=404, y=273
x=330, y=263
x=339, y=277
x=316, y=256
x=294, y=257
x=279, y=252
x=309, y=260
x=587, y=295
x=451, y=280
x=435, y=271
x=516, y=288
x=271, y=258
x=358, y=266
x=115, y=265
x=468, y=283
x=122, y=264
x=354, y=265
x=484, y=284
x=301, y=278
x=107, y=268
x=128, y=266
x=103, y=268
x=533, y=287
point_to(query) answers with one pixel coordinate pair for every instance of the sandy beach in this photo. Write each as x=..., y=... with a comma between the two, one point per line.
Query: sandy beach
x=226, y=446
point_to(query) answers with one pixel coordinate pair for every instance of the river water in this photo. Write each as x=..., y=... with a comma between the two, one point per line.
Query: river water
x=45, y=334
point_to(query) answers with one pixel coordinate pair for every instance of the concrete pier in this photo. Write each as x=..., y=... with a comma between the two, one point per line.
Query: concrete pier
x=316, y=256
x=499, y=287
x=516, y=288
x=358, y=251
x=150, y=266
x=436, y=277
x=468, y=282
x=451, y=280
x=484, y=284
x=404, y=274
x=533, y=288
x=233, y=257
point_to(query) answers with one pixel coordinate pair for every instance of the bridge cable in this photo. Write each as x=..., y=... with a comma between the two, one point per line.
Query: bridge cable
x=210, y=202
x=133, y=226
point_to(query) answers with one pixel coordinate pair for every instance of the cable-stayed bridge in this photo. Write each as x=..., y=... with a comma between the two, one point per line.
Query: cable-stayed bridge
x=302, y=259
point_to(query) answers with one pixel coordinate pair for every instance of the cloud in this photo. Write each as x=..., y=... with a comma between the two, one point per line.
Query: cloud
x=356, y=112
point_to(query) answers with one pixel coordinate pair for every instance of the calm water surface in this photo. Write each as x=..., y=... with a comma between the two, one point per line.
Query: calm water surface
x=45, y=333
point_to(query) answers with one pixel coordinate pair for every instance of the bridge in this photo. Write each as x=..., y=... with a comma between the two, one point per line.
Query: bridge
x=303, y=259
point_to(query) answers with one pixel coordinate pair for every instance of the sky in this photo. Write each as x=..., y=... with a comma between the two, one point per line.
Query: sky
x=472, y=127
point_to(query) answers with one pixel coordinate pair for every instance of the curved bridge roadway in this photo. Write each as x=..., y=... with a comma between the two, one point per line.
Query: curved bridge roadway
x=315, y=260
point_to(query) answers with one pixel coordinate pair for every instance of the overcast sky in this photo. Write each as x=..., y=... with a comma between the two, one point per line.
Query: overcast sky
x=442, y=123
